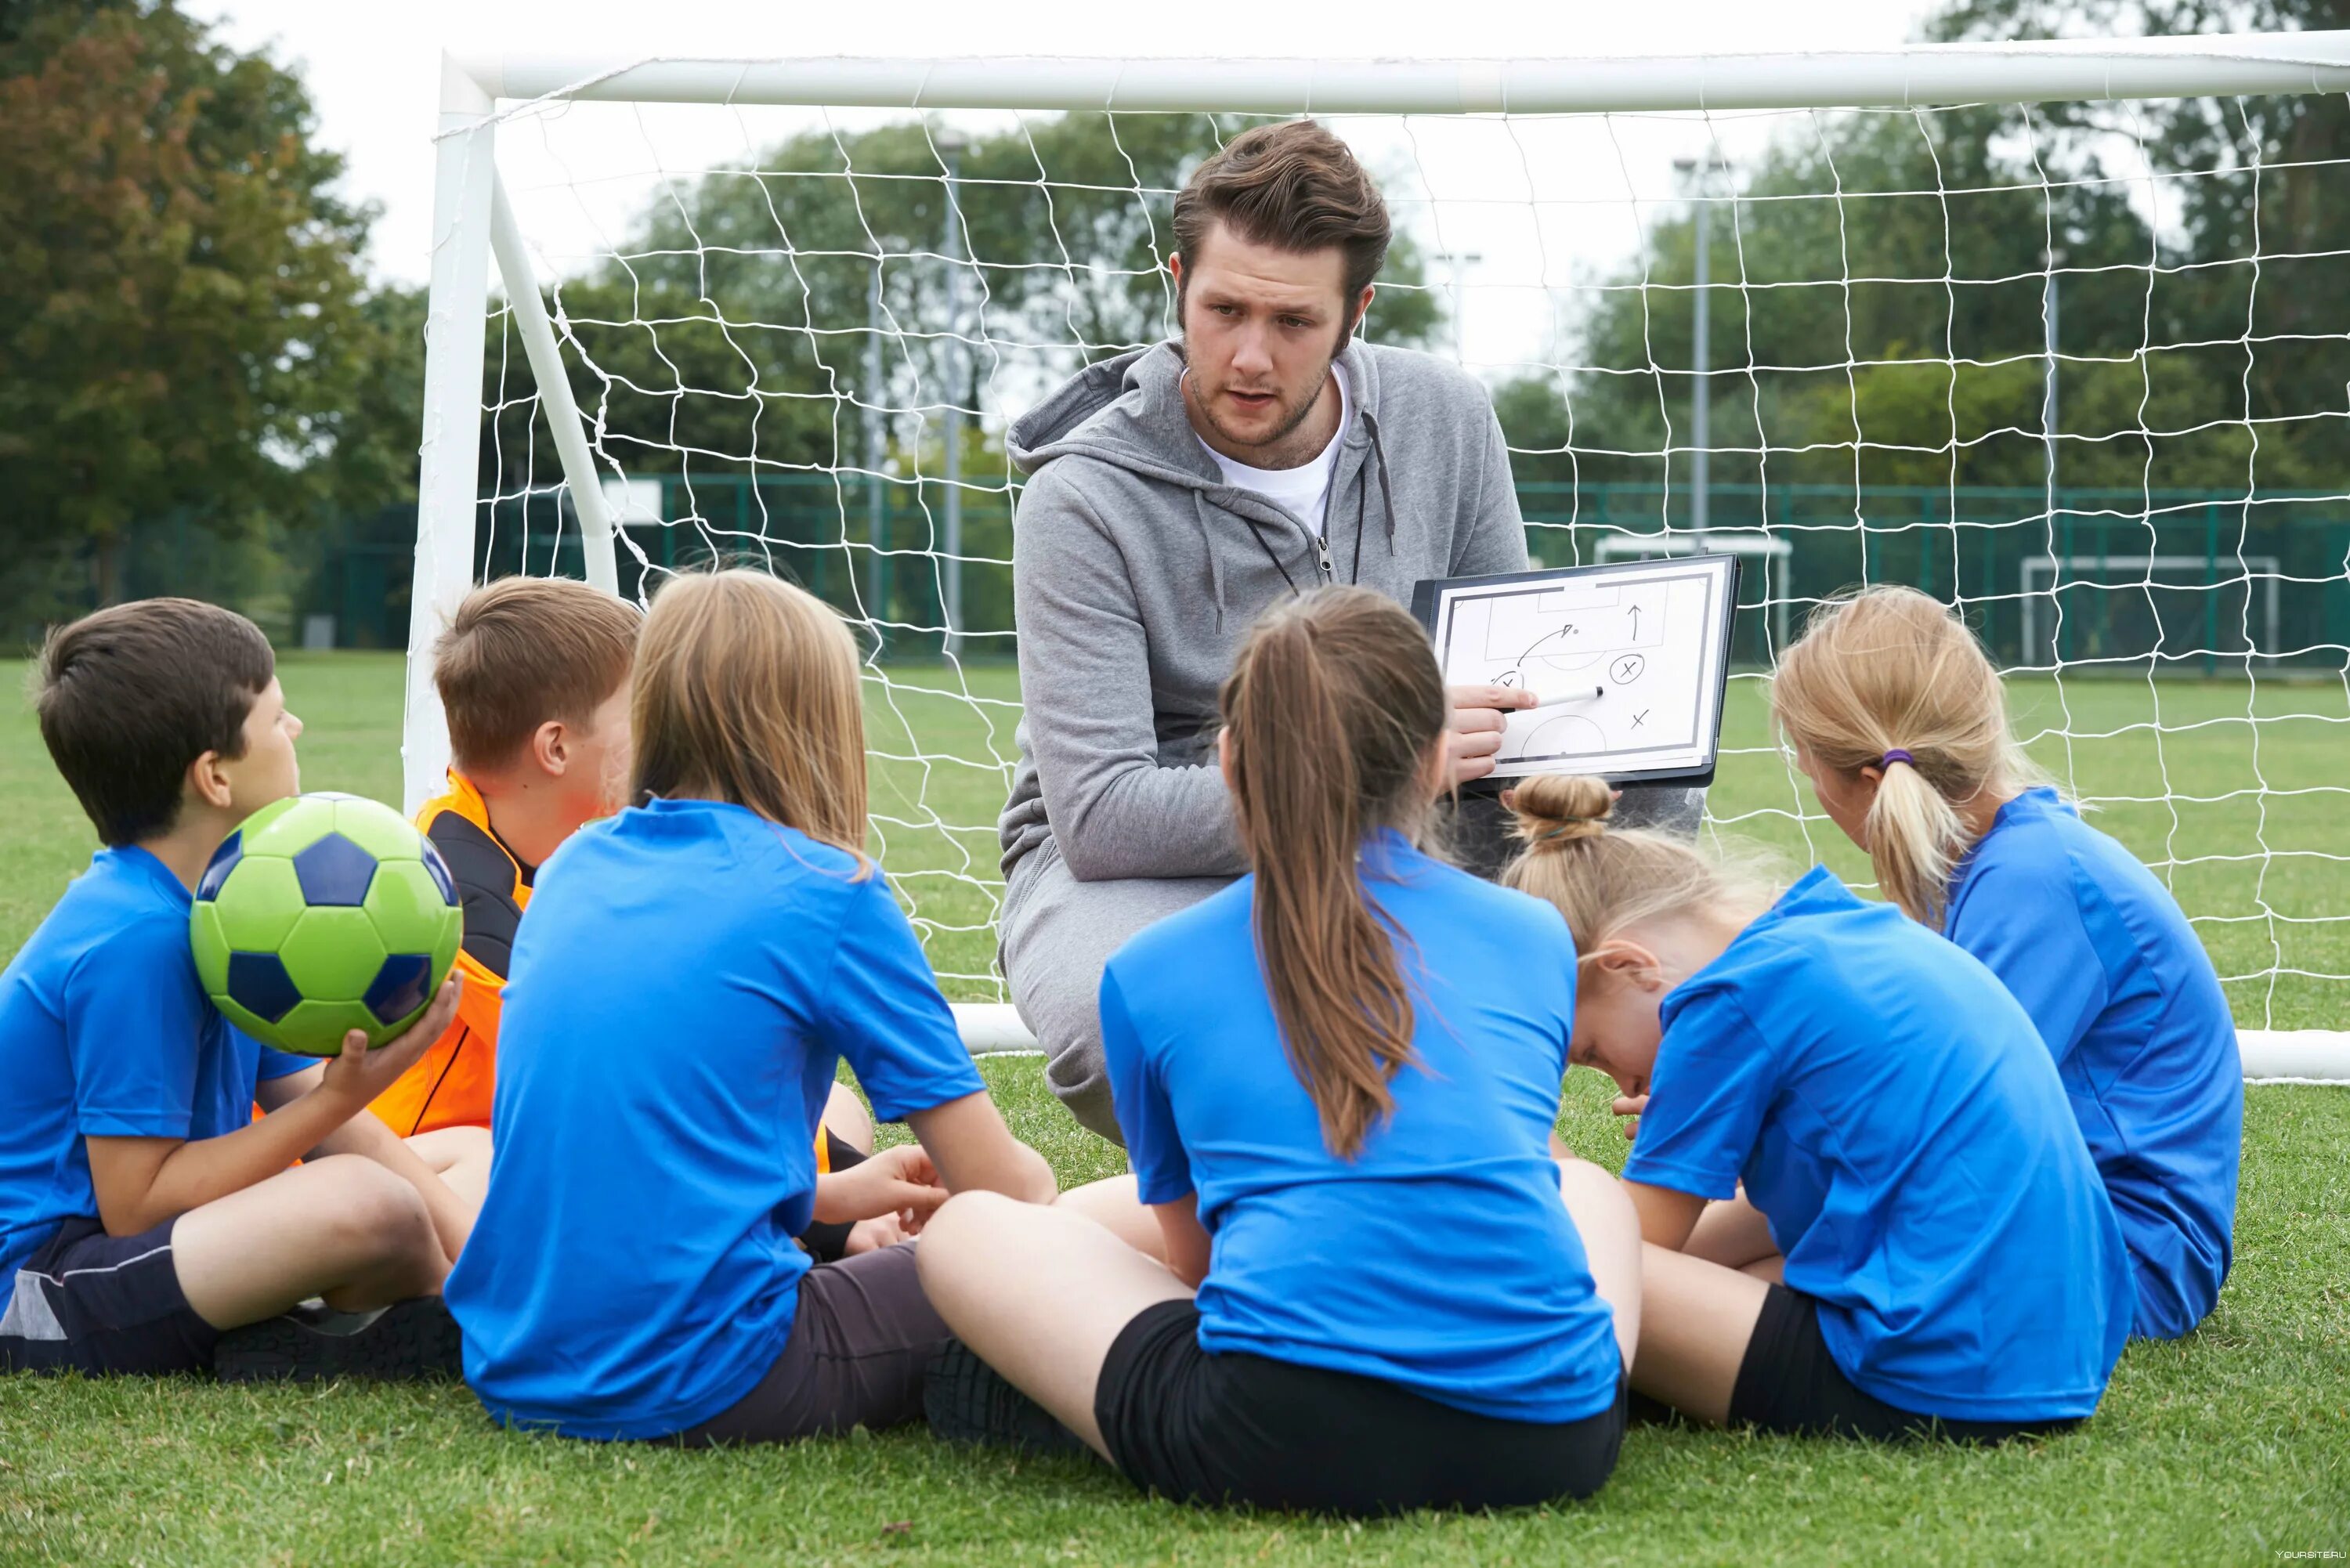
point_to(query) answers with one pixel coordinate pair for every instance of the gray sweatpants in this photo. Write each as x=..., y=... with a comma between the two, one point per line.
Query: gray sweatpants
x=1056, y=933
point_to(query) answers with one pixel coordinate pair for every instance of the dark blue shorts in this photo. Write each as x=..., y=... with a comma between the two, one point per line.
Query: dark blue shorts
x=95, y=1303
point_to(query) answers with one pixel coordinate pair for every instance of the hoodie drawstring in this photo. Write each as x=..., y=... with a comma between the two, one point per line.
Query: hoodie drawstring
x=1363, y=491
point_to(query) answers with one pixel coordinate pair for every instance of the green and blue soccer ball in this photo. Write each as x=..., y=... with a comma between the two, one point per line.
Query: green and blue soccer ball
x=325, y=913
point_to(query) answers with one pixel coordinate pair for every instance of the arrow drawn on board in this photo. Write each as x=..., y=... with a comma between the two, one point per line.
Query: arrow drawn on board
x=1636, y=620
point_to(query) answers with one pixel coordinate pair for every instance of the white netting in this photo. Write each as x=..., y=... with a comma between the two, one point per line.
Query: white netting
x=2080, y=370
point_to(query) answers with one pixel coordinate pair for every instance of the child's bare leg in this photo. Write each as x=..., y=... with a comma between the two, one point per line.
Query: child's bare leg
x=845, y=1117
x=1039, y=1294
x=1610, y=1227
x=1113, y=1205
x=341, y=1227
x=1732, y=1232
x=460, y=1156
x=1696, y=1320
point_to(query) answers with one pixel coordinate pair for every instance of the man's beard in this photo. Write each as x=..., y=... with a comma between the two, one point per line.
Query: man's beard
x=1292, y=416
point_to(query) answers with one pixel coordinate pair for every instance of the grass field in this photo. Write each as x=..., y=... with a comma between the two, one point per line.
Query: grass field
x=2232, y=1447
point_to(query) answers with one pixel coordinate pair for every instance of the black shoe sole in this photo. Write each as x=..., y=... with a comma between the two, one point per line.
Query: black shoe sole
x=412, y=1341
x=967, y=1401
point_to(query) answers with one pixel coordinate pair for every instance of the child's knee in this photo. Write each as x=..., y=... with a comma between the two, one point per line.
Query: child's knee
x=956, y=1235
x=370, y=1212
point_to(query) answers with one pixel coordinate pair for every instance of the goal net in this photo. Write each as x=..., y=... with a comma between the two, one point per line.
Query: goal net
x=2053, y=332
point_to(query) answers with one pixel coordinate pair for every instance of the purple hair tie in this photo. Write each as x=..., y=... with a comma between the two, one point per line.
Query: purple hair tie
x=1896, y=755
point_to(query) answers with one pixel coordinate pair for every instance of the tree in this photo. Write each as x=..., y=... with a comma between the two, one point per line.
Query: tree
x=1872, y=381
x=2283, y=199
x=179, y=320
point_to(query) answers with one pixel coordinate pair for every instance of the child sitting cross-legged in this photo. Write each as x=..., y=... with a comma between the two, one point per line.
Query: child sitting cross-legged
x=143, y=1209
x=1897, y=714
x=689, y=975
x=1374, y=1287
x=1923, y=1244
x=533, y=676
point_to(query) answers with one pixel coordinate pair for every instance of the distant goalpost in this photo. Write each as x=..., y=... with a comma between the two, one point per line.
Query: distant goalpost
x=761, y=310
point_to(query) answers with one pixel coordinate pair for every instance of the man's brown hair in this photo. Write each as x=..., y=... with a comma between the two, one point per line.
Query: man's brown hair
x=522, y=651
x=131, y=695
x=1292, y=186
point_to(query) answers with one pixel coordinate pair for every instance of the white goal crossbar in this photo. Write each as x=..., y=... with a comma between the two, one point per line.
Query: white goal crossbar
x=472, y=224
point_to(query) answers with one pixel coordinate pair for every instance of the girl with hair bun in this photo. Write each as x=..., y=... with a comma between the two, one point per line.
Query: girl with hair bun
x=1373, y=1287
x=1898, y=718
x=1924, y=1246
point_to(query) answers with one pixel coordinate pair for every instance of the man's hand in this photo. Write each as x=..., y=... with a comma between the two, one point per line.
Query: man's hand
x=1479, y=714
x=899, y=1182
x=1630, y=1107
x=357, y=1075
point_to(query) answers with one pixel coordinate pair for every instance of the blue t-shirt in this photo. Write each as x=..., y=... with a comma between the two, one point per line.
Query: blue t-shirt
x=2100, y=954
x=106, y=1033
x=687, y=977
x=1896, y=1120
x=1440, y=1258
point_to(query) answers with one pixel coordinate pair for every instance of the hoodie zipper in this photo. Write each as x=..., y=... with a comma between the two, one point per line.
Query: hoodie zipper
x=1322, y=557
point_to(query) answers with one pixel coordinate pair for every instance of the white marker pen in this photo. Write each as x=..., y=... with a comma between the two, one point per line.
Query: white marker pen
x=1580, y=694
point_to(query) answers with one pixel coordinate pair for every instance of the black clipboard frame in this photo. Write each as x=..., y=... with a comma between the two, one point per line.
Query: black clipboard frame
x=1426, y=592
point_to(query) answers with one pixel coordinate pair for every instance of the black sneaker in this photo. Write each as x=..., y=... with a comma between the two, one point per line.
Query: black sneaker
x=968, y=1401
x=407, y=1341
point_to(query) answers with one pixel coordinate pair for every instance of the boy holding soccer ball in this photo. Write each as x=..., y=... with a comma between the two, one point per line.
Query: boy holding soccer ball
x=144, y=1211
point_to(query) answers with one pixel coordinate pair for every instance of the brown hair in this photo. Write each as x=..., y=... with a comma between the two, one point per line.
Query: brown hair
x=1886, y=668
x=746, y=691
x=129, y=696
x=1604, y=880
x=1330, y=711
x=1292, y=186
x=525, y=650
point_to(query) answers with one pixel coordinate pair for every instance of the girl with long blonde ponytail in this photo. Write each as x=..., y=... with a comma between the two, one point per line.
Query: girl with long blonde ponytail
x=1908, y=1163
x=1896, y=713
x=1372, y=1287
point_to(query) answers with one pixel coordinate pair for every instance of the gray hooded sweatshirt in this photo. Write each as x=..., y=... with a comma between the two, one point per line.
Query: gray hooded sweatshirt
x=1136, y=571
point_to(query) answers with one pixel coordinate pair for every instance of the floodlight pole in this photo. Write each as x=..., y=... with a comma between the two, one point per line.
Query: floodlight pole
x=1700, y=409
x=1700, y=347
x=2048, y=394
x=951, y=144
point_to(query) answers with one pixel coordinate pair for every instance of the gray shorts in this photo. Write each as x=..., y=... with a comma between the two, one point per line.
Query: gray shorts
x=862, y=1336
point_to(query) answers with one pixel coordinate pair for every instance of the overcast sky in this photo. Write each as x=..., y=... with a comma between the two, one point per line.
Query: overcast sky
x=372, y=66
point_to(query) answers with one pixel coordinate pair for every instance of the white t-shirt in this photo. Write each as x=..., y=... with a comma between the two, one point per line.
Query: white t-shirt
x=1303, y=489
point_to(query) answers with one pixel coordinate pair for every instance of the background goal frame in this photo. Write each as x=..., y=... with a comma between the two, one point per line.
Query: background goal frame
x=473, y=223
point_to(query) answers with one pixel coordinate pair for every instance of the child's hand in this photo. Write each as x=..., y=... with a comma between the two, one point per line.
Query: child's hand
x=1630, y=1107
x=872, y=1235
x=360, y=1074
x=898, y=1181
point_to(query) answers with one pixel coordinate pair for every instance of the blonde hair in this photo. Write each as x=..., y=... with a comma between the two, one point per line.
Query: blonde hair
x=1888, y=669
x=1605, y=881
x=1330, y=713
x=746, y=691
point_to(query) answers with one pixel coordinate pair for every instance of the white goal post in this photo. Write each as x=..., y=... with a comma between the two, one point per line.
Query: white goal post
x=615, y=488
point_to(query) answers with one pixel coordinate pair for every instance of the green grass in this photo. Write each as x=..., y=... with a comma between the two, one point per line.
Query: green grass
x=2231, y=1447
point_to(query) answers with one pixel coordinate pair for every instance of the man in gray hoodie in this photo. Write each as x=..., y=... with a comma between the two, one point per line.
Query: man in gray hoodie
x=1176, y=493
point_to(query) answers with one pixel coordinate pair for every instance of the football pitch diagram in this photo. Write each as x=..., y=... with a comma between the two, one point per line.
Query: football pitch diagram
x=1625, y=660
